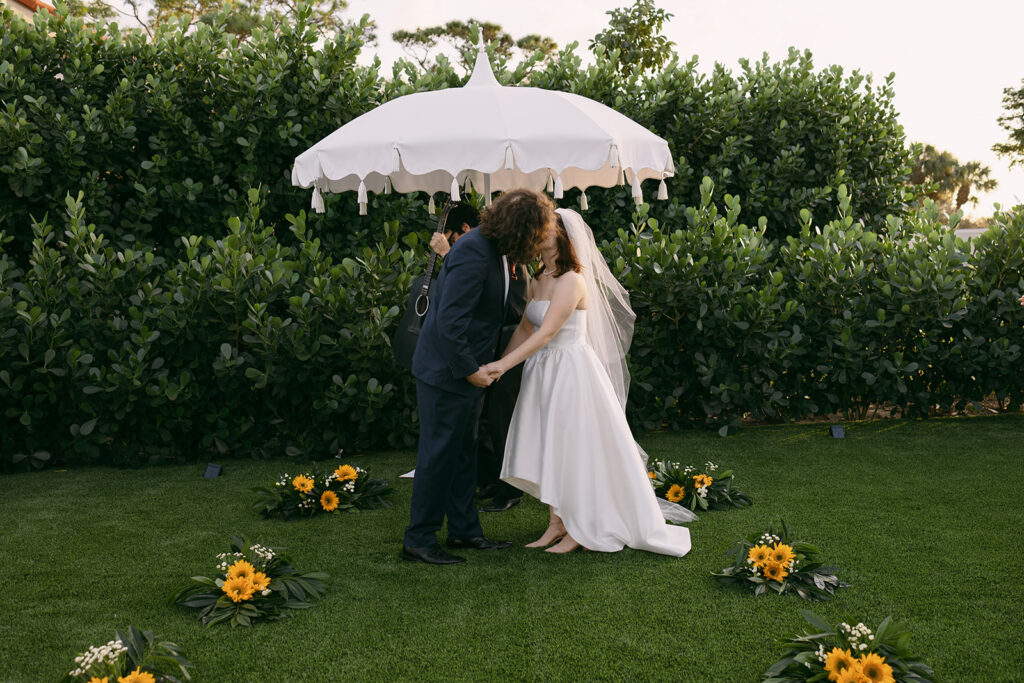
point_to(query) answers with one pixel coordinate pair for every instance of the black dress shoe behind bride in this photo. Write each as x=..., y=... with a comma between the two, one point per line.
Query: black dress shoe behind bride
x=431, y=554
x=478, y=543
x=499, y=505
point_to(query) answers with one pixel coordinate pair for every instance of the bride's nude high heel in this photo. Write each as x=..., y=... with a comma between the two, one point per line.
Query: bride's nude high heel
x=566, y=545
x=555, y=531
x=551, y=535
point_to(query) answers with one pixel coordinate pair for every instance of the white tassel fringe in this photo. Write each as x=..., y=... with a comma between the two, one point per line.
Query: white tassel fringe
x=362, y=198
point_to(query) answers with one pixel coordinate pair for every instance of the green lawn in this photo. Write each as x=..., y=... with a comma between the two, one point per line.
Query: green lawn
x=923, y=518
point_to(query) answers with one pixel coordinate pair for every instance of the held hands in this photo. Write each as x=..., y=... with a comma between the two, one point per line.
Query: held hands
x=480, y=378
x=486, y=375
x=494, y=370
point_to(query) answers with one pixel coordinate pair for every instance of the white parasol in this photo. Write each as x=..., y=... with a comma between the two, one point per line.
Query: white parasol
x=492, y=137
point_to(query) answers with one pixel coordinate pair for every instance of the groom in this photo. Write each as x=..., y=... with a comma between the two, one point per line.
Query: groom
x=459, y=336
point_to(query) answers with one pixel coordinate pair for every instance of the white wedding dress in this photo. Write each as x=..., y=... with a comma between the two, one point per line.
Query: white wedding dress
x=570, y=446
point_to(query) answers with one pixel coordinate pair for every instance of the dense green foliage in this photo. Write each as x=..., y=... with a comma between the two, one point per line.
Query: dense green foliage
x=244, y=345
x=888, y=503
x=836, y=319
x=165, y=135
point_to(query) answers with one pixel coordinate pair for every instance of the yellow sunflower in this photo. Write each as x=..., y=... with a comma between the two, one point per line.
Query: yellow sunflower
x=675, y=493
x=238, y=589
x=851, y=675
x=875, y=670
x=782, y=553
x=759, y=554
x=701, y=480
x=302, y=483
x=837, y=662
x=241, y=569
x=260, y=581
x=329, y=501
x=137, y=676
x=774, y=571
x=346, y=473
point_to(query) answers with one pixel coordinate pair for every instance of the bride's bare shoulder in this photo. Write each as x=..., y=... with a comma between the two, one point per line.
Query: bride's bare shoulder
x=571, y=278
x=571, y=281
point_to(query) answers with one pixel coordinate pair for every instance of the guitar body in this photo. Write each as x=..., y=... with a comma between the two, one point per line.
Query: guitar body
x=407, y=334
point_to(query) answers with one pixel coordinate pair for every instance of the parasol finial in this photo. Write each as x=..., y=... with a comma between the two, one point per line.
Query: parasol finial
x=483, y=75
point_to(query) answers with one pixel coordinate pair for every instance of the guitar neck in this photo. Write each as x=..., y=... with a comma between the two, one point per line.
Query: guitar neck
x=429, y=273
x=432, y=261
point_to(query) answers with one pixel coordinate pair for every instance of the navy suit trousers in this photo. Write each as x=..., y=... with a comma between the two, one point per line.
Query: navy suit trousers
x=445, y=479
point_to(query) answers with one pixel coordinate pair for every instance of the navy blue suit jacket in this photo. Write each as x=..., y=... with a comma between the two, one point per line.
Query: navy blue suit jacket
x=460, y=331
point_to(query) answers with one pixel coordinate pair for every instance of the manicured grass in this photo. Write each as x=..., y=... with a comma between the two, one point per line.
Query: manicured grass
x=923, y=518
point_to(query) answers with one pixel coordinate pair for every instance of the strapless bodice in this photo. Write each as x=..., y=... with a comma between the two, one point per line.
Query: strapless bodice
x=573, y=332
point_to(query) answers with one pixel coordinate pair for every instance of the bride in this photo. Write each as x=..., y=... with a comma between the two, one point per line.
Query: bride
x=569, y=444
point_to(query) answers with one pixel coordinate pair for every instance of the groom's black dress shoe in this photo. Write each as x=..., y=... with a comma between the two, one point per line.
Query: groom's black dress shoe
x=431, y=554
x=499, y=505
x=478, y=543
x=485, y=492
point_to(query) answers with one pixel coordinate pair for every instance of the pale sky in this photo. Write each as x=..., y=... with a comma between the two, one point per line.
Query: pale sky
x=952, y=59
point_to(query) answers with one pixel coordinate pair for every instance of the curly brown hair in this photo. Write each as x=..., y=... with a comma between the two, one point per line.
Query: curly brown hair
x=518, y=222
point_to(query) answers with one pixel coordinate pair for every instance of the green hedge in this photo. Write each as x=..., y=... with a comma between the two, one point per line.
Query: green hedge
x=240, y=346
x=244, y=346
x=780, y=136
x=836, y=319
x=164, y=136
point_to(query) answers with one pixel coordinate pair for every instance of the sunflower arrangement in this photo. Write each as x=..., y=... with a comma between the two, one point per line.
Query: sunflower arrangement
x=314, y=492
x=706, y=489
x=770, y=560
x=132, y=657
x=848, y=654
x=256, y=583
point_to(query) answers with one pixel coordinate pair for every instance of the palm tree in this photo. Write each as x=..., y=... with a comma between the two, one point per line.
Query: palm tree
x=941, y=177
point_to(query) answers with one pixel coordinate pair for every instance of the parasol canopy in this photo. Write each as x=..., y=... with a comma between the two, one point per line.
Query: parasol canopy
x=483, y=134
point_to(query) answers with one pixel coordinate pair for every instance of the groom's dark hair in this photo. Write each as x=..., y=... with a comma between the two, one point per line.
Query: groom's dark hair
x=516, y=221
x=462, y=213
